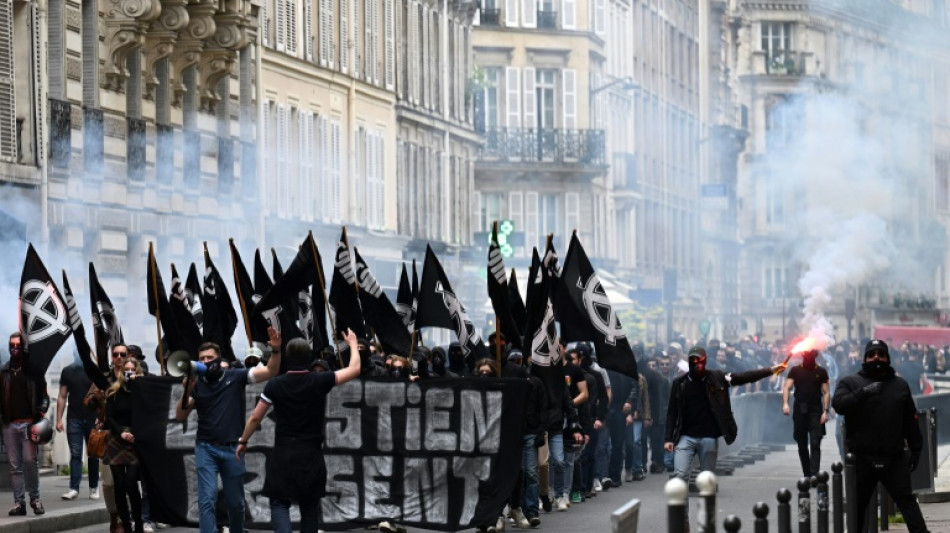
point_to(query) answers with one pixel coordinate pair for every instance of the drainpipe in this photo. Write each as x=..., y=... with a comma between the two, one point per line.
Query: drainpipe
x=41, y=120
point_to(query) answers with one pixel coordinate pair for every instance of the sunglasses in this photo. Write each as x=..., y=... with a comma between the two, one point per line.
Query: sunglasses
x=120, y=354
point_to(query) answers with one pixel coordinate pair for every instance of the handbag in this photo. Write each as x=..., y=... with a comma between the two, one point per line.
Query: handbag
x=96, y=447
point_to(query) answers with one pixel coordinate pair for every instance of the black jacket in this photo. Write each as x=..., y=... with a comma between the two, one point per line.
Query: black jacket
x=877, y=424
x=36, y=389
x=535, y=408
x=717, y=388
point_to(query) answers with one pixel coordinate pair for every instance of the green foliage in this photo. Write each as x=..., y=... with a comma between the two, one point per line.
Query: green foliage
x=637, y=321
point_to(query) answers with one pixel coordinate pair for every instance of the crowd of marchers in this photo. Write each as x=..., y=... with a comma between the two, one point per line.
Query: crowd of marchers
x=607, y=429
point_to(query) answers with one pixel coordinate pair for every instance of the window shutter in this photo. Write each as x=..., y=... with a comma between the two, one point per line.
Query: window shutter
x=511, y=13
x=291, y=26
x=265, y=33
x=570, y=98
x=8, y=145
x=337, y=192
x=308, y=31
x=303, y=168
x=375, y=54
x=279, y=206
x=530, y=97
x=266, y=150
x=531, y=220
x=426, y=66
x=416, y=77
x=354, y=40
x=513, y=96
x=359, y=171
x=368, y=31
x=515, y=210
x=599, y=21
x=323, y=166
x=280, y=24
x=477, y=223
x=390, y=54
x=326, y=31
x=568, y=21
x=572, y=217
x=344, y=37
x=529, y=13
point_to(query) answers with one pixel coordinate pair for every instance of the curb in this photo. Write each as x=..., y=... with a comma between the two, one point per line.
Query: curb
x=55, y=521
x=934, y=497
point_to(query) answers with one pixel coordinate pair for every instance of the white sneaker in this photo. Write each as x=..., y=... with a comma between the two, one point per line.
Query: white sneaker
x=597, y=486
x=148, y=527
x=562, y=503
x=71, y=495
x=387, y=527
x=519, y=518
x=94, y=493
x=500, y=524
x=627, y=476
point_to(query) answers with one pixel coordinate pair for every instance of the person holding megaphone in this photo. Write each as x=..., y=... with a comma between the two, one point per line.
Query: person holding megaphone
x=218, y=394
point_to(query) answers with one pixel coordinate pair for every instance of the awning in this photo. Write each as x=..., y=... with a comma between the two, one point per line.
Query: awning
x=896, y=335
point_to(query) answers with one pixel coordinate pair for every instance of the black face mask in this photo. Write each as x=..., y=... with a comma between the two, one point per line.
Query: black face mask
x=398, y=372
x=876, y=369
x=214, y=370
x=486, y=374
x=697, y=367
x=809, y=363
x=438, y=365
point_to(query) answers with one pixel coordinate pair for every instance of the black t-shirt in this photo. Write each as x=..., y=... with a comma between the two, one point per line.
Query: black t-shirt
x=21, y=405
x=911, y=372
x=808, y=385
x=299, y=401
x=573, y=375
x=77, y=385
x=221, y=406
x=698, y=418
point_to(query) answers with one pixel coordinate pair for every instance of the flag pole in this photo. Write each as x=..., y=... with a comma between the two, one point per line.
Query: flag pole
x=237, y=288
x=494, y=238
x=158, y=309
x=323, y=289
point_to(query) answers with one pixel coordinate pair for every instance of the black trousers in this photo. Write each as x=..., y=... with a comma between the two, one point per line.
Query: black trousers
x=894, y=473
x=808, y=431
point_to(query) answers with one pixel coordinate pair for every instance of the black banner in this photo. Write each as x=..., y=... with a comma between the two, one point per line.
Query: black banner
x=498, y=292
x=383, y=319
x=105, y=324
x=344, y=299
x=440, y=454
x=218, y=315
x=43, y=317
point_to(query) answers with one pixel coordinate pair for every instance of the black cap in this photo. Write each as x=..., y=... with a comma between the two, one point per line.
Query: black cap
x=136, y=351
x=877, y=345
x=697, y=351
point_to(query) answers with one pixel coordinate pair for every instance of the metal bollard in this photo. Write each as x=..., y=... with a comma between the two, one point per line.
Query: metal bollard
x=732, y=524
x=676, y=500
x=870, y=514
x=708, y=486
x=784, y=511
x=852, y=491
x=761, y=512
x=821, y=500
x=837, y=497
x=884, y=505
x=804, y=505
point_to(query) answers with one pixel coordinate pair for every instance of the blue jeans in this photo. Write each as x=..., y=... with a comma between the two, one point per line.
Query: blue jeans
x=636, y=464
x=309, y=516
x=210, y=461
x=529, y=462
x=557, y=463
x=21, y=452
x=569, y=459
x=621, y=444
x=77, y=433
x=601, y=453
x=686, y=449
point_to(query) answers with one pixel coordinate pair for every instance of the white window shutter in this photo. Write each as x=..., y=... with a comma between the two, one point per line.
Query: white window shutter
x=280, y=24
x=279, y=205
x=530, y=99
x=569, y=80
x=308, y=29
x=515, y=210
x=529, y=13
x=426, y=66
x=568, y=15
x=390, y=54
x=599, y=21
x=513, y=96
x=8, y=128
x=531, y=237
x=368, y=31
x=291, y=26
x=264, y=146
x=572, y=217
x=477, y=19
x=344, y=36
x=477, y=222
x=337, y=187
x=326, y=31
x=376, y=33
x=511, y=13
x=265, y=34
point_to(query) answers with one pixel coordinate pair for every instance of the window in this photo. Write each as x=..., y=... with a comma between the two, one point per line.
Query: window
x=774, y=201
x=491, y=210
x=546, y=90
x=490, y=90
x=776, y=37
x=8, y=122
x=775, y=279
x=375, y=184
x=548, y=218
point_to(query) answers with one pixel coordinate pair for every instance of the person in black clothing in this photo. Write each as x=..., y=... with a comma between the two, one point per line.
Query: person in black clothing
x=296, y=470
x=700, y=412
x=659, y=398
x=912, y=371
x=880, y=417
x=24, y=402
x=120, y=447
x=535, y=408
x=597, y=409
x=812, y=398
x=73, y=386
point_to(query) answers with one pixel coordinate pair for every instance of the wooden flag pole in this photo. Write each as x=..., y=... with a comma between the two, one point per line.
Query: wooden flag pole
x=237, y=287
x=323, y=289
x=158, y=309
x=412, y=343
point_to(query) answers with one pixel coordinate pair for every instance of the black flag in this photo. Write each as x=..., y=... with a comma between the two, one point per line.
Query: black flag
x=302, y=278
x=498, y=292
x=515, y=301
x=187, y=329
x=583, y=289
x=220, y=320
x=283, y=315
x=93, y=371
x=43, y=318
x=254, y=323
x=275, y=267
x=574, y=325
x=105, y=324
x=343, y=297
x=159, y=307
x=193, y=296
x=404, y=299
x=440, y=307
x=541, y=334
x=380, y=313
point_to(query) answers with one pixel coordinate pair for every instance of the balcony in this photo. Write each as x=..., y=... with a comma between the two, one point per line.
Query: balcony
x=784, y=63
x=547, y=19
x=557, y=146
x=490, y=17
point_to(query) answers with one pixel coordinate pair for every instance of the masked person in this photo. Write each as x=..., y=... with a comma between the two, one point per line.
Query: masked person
x=296, y=470
x=812, y=398
x=120, y=447
x=219, y=397
x=24, y=402
x=700, y=412
x=880, y=417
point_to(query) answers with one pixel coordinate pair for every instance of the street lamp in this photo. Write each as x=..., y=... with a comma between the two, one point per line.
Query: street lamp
x=625, y=83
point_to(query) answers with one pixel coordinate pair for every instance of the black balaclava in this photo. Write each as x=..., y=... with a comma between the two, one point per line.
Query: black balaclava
x=214, y=370
x=438, y=361
x=16, y=354
x=810, y=359
x=877, y=369
x=456, y=358
x=697, y=362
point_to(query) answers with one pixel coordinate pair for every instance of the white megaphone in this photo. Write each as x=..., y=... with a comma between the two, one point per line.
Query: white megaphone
x=180, y=364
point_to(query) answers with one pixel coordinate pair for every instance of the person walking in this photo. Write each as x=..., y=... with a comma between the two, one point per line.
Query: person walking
x=812, y=399
x=73, y=386
x=880, y=419
x=120, y=448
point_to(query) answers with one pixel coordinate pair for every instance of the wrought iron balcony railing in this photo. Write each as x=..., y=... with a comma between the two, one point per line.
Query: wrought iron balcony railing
x=548, y=145
x=490, y=17
x=547, y=19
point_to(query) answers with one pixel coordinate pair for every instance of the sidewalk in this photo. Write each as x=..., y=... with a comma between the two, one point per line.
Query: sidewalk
x=935, y=506
x=61, y=515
